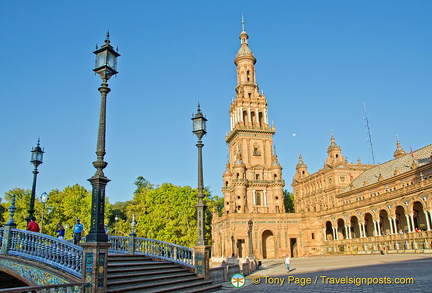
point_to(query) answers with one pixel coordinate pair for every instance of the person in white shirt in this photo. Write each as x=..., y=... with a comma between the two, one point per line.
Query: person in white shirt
x=287, y=263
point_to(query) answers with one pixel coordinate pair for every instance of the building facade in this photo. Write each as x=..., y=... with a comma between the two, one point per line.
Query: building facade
x=342, y=208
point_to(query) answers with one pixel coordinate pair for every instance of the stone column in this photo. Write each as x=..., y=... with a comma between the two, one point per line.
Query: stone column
x=202, y=259
x=391, y=225
x=325, y=234
x=408, y=223
x=364, y=230
x=349, y=232
x=378, y=222
x=375, y=231
x=95, y=259
x=346, y=232
x=253, y=197
x=360, y=230
x=395, y=226
x=412, y=222
x=335, y=233
x=427, y=220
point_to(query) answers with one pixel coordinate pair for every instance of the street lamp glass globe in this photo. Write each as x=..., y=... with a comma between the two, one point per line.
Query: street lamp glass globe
x=44, y=197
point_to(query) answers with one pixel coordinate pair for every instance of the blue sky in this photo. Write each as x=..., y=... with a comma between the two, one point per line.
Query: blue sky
x=318, y=63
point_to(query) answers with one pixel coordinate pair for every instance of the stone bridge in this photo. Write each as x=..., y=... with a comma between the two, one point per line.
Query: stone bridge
x=41, y=260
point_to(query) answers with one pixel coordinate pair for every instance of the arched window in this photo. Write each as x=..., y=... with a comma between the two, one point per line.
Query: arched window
x=245, y=116
x=261, y=119
x=258, y=198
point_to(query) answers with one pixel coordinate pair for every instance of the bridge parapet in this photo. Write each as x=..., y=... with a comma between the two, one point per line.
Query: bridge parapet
x=46, y=249
x=153, y=248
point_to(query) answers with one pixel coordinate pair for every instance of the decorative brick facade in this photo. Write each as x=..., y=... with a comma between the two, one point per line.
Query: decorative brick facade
x=342, y=208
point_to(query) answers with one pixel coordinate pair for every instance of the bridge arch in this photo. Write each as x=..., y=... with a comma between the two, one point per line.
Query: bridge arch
x=33, y=273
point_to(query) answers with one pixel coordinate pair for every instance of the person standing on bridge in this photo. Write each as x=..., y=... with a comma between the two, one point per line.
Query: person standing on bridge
x=60, y=232
x=78, y=229
x=32, y=225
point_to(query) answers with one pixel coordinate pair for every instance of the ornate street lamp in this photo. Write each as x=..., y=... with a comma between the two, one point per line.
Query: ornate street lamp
x=250, y=226
x=36, y=160
x=106, y=66
x=199, y=129
x=44, y=199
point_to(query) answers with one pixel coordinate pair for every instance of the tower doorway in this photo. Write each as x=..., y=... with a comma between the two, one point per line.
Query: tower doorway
x=240, y=248
x=293, y=247
x=268, y=244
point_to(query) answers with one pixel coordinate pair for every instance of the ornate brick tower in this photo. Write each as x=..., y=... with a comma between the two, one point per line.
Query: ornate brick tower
x=253, y=177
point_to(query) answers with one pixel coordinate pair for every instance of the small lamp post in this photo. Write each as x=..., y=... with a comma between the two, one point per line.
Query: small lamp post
x=199, y=129
x=115, y=231
x=250, y=226
x=106, y=67
x=44, y=199
x=232, y=244
x=36, y=160
x=133, y=224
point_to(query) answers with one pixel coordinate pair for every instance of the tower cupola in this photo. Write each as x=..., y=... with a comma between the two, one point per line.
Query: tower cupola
x=334, y=154
x=399, y=152
x=301, y=169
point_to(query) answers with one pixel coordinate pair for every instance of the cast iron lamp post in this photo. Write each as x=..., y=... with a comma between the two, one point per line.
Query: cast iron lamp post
x=106, y=66
x=44, y=199
x=250, y=225
x=36, y=160
x=199, y=128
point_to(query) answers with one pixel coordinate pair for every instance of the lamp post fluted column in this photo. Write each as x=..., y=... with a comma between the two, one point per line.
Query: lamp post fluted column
x=200, y=206
x=99, y=180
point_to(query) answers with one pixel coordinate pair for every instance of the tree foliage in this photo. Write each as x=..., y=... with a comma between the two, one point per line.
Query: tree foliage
x=289, y=201
x=166, y=212
x=62, y=207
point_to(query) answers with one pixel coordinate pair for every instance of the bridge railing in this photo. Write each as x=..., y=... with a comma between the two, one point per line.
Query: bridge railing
x=154, y=248
x=47, y=249
x=66, y=256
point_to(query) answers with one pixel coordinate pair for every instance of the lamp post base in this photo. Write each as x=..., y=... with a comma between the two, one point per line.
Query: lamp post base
x=202, y=260
x=95, y=259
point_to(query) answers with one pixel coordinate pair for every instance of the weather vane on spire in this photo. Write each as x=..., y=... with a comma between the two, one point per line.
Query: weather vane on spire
x=243, y=26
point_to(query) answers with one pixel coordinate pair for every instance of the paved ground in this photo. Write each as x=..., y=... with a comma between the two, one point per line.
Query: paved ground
x=342, y=274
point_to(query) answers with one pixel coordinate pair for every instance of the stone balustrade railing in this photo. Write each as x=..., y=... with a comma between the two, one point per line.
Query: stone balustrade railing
x=394, y=243
x=153, y=248
x=45, y=249
x=68, y=257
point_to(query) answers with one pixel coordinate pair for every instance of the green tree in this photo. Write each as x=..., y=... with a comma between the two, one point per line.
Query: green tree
x=2, y=211
x=22, y=201
x=63, y=207
x=289, y=201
